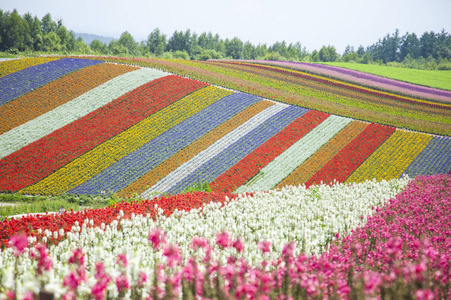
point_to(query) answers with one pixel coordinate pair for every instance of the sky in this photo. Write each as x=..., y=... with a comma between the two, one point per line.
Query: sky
x=313, y=23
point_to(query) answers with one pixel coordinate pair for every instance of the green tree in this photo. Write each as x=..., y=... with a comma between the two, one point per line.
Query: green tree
x=126, y=40
x=234, y=48
x=48, y=25
x=51, y=42
x=156, y=42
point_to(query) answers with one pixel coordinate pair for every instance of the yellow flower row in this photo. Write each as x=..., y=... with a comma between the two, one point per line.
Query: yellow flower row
x=393, y=157
x=91, y=163
x=11, y=66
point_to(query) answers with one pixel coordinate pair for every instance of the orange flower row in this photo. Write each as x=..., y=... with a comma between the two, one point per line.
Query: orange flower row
x=312, y=165
x=56, y=93
x=175, y=161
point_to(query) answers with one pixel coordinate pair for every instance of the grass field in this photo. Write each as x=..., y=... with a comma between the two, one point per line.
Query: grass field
x=433, y=78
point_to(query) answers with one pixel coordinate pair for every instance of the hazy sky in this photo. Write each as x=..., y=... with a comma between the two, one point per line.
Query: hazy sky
x=313, y=23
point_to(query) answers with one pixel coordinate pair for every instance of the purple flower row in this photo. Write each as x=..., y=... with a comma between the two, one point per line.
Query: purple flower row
x=21, y=82
x=238, y=150
x=136, y=164
x=434, y=159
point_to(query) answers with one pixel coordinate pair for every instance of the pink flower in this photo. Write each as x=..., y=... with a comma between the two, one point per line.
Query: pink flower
x=40, y=254
x=122, y=260
x=172, y=253
x=156, y=237
x=142, y=278
x=264, y=246
x=19, y=242
x=238, y=244
x=223, y=239
x=10, y=295
x=72, y=281
x=199, y=242
x=78, y=257
x=28, y=296
x=122, y=283
x=424, y=294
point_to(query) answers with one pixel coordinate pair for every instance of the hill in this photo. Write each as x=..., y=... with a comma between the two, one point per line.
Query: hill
x=86, y=126
x=88, y=38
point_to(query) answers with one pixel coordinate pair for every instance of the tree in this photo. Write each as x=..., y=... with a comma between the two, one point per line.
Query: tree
x=234, y=48
x=127, y=41
x=51, y=42
x=48, y=24
x=324, y=54
x=156, y=42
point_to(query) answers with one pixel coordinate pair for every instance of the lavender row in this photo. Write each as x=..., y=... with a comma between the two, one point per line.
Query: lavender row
x=136, y=164
x=366, y=79
x=21, y=82
x=434, y=159
x=238, y=150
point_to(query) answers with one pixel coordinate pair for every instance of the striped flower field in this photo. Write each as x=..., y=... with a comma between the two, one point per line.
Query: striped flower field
x=87, y=126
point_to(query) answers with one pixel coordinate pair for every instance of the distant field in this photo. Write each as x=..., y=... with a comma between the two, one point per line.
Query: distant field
x=436, y=78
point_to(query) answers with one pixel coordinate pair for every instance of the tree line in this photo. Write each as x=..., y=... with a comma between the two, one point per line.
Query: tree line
x=27, y=33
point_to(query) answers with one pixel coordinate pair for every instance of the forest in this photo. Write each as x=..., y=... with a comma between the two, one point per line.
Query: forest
x=29, y=34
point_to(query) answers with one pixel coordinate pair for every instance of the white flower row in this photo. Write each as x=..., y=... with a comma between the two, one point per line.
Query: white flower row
x=57, y=118
x=184, y=170
x=309, y=217
x=283, y=165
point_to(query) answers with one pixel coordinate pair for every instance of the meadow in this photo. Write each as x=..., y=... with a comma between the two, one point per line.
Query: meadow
x=312, y=172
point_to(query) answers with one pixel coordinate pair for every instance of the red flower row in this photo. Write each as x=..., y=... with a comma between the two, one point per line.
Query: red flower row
x=39, y=159
x=260, y=157
x=53, y=222
x=353, y=155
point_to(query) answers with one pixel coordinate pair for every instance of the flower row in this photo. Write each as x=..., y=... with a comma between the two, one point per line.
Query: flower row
x=9, y=66
x=392, y=157
x=79, y=107
x=215, y=105
x=56, y=93
x=260, y=157
x=284, y=164
x=195, y=148
x=26, y=80
x=152, y=101
x=61, y=146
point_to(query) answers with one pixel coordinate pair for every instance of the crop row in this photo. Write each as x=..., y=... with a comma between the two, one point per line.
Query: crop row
x=26, y=80
x=53, y=151
x=392, y=157
x=365, y=79
x=289, y=160
x=157, y=95
x=13, y=65
x=71, y=111
x=193, y=149
x=227, y=158
x=260, y=157
x=56, y=93
x=194, y=163
x=388, y=112
x=348, y=86
x=353, y=155
x=160, y=148
x=434, y=159
x=315, y=162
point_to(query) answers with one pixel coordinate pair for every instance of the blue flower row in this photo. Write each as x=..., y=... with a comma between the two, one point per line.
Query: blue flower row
x=136, y=164
x=238, y=150
x=434, y=159
x=21, y=82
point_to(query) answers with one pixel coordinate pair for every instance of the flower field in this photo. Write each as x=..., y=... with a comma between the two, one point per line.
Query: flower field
x=369, y=239
x=86, y=126
x=306, y=203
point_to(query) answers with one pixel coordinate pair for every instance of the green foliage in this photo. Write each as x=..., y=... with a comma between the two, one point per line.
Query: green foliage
x=181, y=55
x=22, y=204
x=198, y=187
